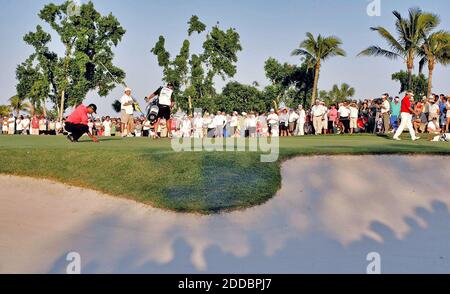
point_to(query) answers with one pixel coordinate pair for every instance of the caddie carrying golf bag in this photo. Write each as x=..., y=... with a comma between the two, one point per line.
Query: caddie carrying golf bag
x=152, y=111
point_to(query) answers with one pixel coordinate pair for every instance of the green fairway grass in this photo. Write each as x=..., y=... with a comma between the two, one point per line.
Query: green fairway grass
x=203, y=182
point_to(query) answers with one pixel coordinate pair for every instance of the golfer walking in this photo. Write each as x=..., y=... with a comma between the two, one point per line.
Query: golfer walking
x=406, y=118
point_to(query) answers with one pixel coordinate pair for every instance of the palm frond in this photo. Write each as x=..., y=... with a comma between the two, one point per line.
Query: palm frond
x=378, y=51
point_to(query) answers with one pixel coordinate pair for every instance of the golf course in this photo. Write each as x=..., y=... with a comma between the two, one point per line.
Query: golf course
x=150, y=172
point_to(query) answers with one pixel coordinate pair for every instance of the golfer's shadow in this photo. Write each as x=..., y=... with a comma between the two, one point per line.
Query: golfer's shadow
x=100, y=140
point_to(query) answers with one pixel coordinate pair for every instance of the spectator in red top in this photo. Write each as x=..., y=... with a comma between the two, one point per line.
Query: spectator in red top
x=406, y=117
x=35, y=125
x=77, y=122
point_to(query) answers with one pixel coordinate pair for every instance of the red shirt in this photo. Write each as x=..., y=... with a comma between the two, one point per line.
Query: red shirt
x=35, y=123
x=406, y=105
x=79, y=116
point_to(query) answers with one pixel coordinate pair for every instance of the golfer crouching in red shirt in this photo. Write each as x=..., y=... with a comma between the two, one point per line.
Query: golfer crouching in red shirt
x=77, y=123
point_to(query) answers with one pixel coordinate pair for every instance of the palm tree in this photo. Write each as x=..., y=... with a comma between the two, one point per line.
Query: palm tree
x=18, y=104
x=435, y=49
x=341, y=94
x=410, y=38
x=315, y=51
x=4, y=110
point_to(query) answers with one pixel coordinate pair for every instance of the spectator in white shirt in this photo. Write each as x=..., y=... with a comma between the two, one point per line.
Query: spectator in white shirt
x=293, y=117
x=107, y=127
x=344, y=116
x=11, y=125
x=219, y=122
x=19, y=126
x=234, y=123
x=251, y=125
x=353, y=117
x=198, y=126
x=127, y=110
x=433, y=128
x=385, y=113
x=211, y=123
x=301, y=121
x=26, y=125
x=272, y=120
x=317, y=114
x=434, y=109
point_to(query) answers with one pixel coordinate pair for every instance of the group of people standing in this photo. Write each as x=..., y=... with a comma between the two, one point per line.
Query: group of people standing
x=26, y=125
x=385, y=115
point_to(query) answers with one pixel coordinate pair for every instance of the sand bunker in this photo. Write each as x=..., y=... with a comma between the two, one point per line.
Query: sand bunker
x=329, y=213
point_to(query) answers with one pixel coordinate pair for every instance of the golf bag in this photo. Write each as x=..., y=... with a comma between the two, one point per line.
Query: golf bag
x=152, y=111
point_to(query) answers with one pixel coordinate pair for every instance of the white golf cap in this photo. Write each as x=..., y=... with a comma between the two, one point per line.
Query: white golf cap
x=272, y=110
x=127, y=89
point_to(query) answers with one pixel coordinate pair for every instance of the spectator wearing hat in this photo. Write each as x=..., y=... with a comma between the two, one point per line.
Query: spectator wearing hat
x=272, y=120
x=317, y=113
x=126, y=115
x=395, y=113
x=354, y=113
x=385, y=112
x=433, y=128
x=301, y=121
x=293, y=117
x=344, y=117
x=434, y=108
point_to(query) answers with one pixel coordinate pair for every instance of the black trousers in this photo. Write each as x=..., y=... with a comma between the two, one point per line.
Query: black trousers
x=77, y=130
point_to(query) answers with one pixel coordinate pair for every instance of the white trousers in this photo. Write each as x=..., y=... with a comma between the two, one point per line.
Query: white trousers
x=405, y=123
x=300, y=129
x=317, y=122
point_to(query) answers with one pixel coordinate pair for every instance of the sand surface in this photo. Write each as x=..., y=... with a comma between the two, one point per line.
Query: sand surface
x=329, y=214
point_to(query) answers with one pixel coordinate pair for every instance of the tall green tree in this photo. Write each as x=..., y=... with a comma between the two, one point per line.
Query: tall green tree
x=4, y=110
x=418, y=83
x=88, y=38
x=289, y=83
x=193, y=74
x=238, y=97
x=317, y=50
x=338, y=94
x=407, y=44
x=435, y=50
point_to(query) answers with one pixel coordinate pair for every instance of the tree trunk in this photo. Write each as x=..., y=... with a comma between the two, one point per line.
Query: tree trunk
x=190, y=104
x=44, y=110
x=410, y=67
x=316, y=82
x=61, y=107
x=430, y=77
x=63, y=92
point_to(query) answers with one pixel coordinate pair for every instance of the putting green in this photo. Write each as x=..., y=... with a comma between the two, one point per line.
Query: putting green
x=202, y=182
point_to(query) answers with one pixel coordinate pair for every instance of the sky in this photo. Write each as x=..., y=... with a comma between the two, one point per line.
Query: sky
x=267, y=29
